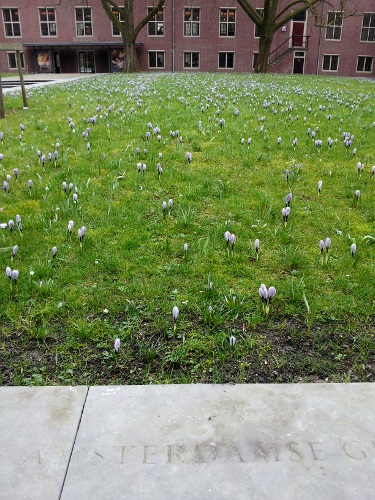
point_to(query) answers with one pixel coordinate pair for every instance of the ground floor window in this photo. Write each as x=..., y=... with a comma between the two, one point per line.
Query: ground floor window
x=255, y=58
x=364, y=63
x=12, y=60
x=117, y=60
x=191, y=59
x=156, y=59
x=86, y=61
x=330, y=62
x=226, y=60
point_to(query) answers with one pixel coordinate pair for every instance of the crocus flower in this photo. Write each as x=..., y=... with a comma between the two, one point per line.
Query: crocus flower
x=232, y=241
x=321, y=245
x=6, y=187
x=175, y=313
x=64, y=186
x=170, y=204
x=189, y=156
x=288, y=199
x=287, y=175
x=18, y=219
x=320, y=183
x=14, y=251
x=232, y=341
x=164, y=207
x=15, y=172
x=185, y=247
x=11, y=225
x=3, y=225
x=70, y=226
x=117, y=344
x=353, y=249
x=30, y=184
x=160, y=169
x=227, y=236
x=256, y=246
x=71, y=186
x=8, y=272
x=15, y=274
x=279, y=140
x=54, y=252
x=75, y=198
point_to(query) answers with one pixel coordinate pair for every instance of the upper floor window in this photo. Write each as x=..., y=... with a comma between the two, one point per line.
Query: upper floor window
x=334, y=26
x=47, y=20
x=191, y=21
x=156, y=23
x=120, y=17
x=364, y=63
x=256, y=28
x=227, y=22
x=12, y=60
x=12, y=25
x=83, y=21
x=368, y=27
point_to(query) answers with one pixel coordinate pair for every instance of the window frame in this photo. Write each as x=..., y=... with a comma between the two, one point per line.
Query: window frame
x=191, y=52
x=333, y=26
x=13, y=53
x=114, y=27
x=330, y=62
x=256, y=28
x=191, y=22
x=226, y=52
x=255, y=57
x=11, y=22
x=83, y=22
x=227, y=22
x=370, y=28
x=47, y=22
x=155, y=22
x=364, y=64
x=156, y=52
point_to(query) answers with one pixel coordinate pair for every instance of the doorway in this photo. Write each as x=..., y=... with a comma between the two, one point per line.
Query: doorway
x=86, y=61
x=299, y=62
x=298, y=29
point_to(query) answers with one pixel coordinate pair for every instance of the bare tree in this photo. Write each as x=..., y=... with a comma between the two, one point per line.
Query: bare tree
x=127, y=27
x=277, y=13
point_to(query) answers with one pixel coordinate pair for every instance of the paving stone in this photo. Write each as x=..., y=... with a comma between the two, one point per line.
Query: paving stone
x=37, y=430
x=298, y=441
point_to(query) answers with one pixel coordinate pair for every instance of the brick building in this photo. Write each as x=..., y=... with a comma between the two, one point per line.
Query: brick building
x=204, y=35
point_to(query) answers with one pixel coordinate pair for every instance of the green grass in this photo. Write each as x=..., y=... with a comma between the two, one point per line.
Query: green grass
x=60, y=320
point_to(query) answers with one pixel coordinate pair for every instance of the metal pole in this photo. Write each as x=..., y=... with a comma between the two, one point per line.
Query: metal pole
x=19, y=66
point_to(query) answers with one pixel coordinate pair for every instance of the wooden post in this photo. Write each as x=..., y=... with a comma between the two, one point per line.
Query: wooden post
x=19, y=66
x=2, y=112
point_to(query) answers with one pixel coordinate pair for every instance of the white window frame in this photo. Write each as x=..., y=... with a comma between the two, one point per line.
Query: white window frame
x=13, y=52
x=333, y=25
x=330, y=62
x=155, y=22
x=83, y=22
x=191, y=52
x=48, y=23
x=368, y=28
x=261, y=13
x=12, y=23
x=226, y=52
x=227, y=22
x=114, y=27
x=191, y=23
x=363, y=71
x=156, y=52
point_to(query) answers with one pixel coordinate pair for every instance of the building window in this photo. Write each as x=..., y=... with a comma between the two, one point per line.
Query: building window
x=83, y=21
x=191, y=59
x=191, y=21
x=120, y=17
x=12, y=25
x=226, y=60
x=12, y=61
x=368, y=27
x=330, y=62
x=227, y=22
x=364, y=64
x=334, y=26
x=47, y=20
x=256, y=28
x=255, y=58
x=156, y=59
x=156, y=23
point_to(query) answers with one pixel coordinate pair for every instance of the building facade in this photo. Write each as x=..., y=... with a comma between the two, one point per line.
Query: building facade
x=204, y=35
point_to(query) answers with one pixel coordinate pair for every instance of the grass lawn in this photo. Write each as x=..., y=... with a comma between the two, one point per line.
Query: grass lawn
x=121, y=190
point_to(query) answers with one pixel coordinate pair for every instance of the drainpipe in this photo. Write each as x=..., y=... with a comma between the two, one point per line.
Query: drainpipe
x=173, y=34
x=320, y=42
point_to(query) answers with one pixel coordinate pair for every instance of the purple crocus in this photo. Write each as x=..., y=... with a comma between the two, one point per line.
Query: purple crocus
x=54, y=252
x=64, y=186
x=30, y=184
x=75, y=198
x=15, y=172
x=320, y=184
x=353, y=249
x=288, y=199
x=70, y=226
x=14, y=251
x=232, y=340
x=15, y=274
x=227, y=236
x=117, y=344
x=175, y=313
x=8, y=272
x=11, y=225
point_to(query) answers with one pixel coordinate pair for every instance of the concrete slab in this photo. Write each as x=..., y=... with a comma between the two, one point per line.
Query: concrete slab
x=37, y=430
x=301, y=441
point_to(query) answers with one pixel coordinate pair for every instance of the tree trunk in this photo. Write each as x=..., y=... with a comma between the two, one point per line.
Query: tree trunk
x=265, y=42
x=130, y=57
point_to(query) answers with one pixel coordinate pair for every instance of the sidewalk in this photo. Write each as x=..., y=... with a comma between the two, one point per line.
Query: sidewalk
x=39, y=80
x=284, y=442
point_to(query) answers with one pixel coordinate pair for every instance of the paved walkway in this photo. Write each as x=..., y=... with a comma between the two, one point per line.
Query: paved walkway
x=294, y=441
x=11, y=83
